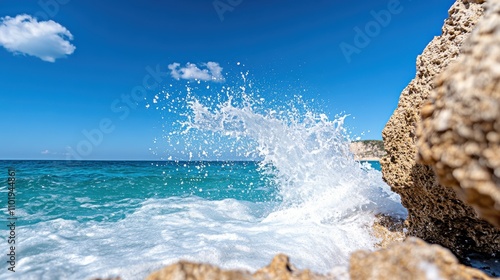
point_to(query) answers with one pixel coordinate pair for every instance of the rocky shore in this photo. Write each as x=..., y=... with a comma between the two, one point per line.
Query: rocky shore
x=442, y=155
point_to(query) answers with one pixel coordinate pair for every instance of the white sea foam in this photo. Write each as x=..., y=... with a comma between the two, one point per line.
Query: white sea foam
x=228, y=233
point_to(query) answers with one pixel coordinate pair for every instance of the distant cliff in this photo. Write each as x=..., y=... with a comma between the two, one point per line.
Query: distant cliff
x=368, y=149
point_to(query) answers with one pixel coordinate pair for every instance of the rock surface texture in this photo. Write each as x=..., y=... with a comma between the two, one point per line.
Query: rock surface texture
x=460, y=132
x=279, y=269
x=388, y=230
x=414, y=259
x=435, y=213
x=411, y=260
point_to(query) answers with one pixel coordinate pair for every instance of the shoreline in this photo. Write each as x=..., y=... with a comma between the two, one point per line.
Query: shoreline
x=367, y=159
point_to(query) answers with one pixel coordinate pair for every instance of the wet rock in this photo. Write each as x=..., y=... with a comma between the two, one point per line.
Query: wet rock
x=414, y=259
x=388, y=230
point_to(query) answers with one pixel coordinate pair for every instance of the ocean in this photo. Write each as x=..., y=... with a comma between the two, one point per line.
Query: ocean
x=83, y=219
x=300, y=193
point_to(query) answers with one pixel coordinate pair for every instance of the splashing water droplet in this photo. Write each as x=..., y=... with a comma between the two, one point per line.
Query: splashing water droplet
x=303, y=153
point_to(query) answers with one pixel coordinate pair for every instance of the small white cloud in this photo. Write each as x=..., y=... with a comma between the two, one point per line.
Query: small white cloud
x=47, y=40
x=45, y=152
x=212, y=72
x=173, y=67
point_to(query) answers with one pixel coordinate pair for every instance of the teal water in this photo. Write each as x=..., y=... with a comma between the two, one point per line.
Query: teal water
x=78, y=220
x=108, y=190
x=374, y=164
x=305, y=196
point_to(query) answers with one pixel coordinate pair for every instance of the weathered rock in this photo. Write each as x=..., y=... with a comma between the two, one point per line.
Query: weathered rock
x=414, y=260
x=184, y=270
x=279, y=269
x=435, y=213
x=388, y=230
x=460, y=132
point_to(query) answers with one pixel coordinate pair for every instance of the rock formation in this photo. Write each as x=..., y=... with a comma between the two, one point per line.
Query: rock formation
x=388, y=230
x=279, y=269
x=413, y=259
x=435, y=213
x=460, y=132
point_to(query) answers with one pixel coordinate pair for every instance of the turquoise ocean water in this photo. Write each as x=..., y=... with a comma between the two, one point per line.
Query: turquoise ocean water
x=303, y=195
x=83, y=219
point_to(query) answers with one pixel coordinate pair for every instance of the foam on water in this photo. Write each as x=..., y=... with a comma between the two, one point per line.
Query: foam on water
x=229, y=233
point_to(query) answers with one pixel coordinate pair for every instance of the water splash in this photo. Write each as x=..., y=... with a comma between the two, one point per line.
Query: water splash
x=302, y=153
x=305, y=154
x=324, y=205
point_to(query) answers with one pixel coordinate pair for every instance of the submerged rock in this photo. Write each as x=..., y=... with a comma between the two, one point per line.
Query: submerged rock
x=435, y=212
x=413, y=259
x=460, y=132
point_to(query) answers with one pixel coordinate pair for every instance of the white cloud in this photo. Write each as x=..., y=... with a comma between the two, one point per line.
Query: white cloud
x=45, y=152
x=212, y=72
x=47, y=40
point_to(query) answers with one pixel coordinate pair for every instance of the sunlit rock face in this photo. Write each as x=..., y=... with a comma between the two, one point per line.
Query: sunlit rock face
x=436, y=213
x=460, y=132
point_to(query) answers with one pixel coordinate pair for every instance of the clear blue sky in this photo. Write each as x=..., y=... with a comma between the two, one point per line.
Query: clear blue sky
x=60, y=77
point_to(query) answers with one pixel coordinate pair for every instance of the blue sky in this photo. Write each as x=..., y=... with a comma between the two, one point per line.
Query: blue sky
x=64, y=63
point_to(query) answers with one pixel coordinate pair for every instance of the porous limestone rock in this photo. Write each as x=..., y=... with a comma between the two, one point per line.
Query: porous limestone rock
x=413, y=259
x=460, y=132
x=388, y=230
x=279, y=269
x=184, y=270
x=435, y=213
